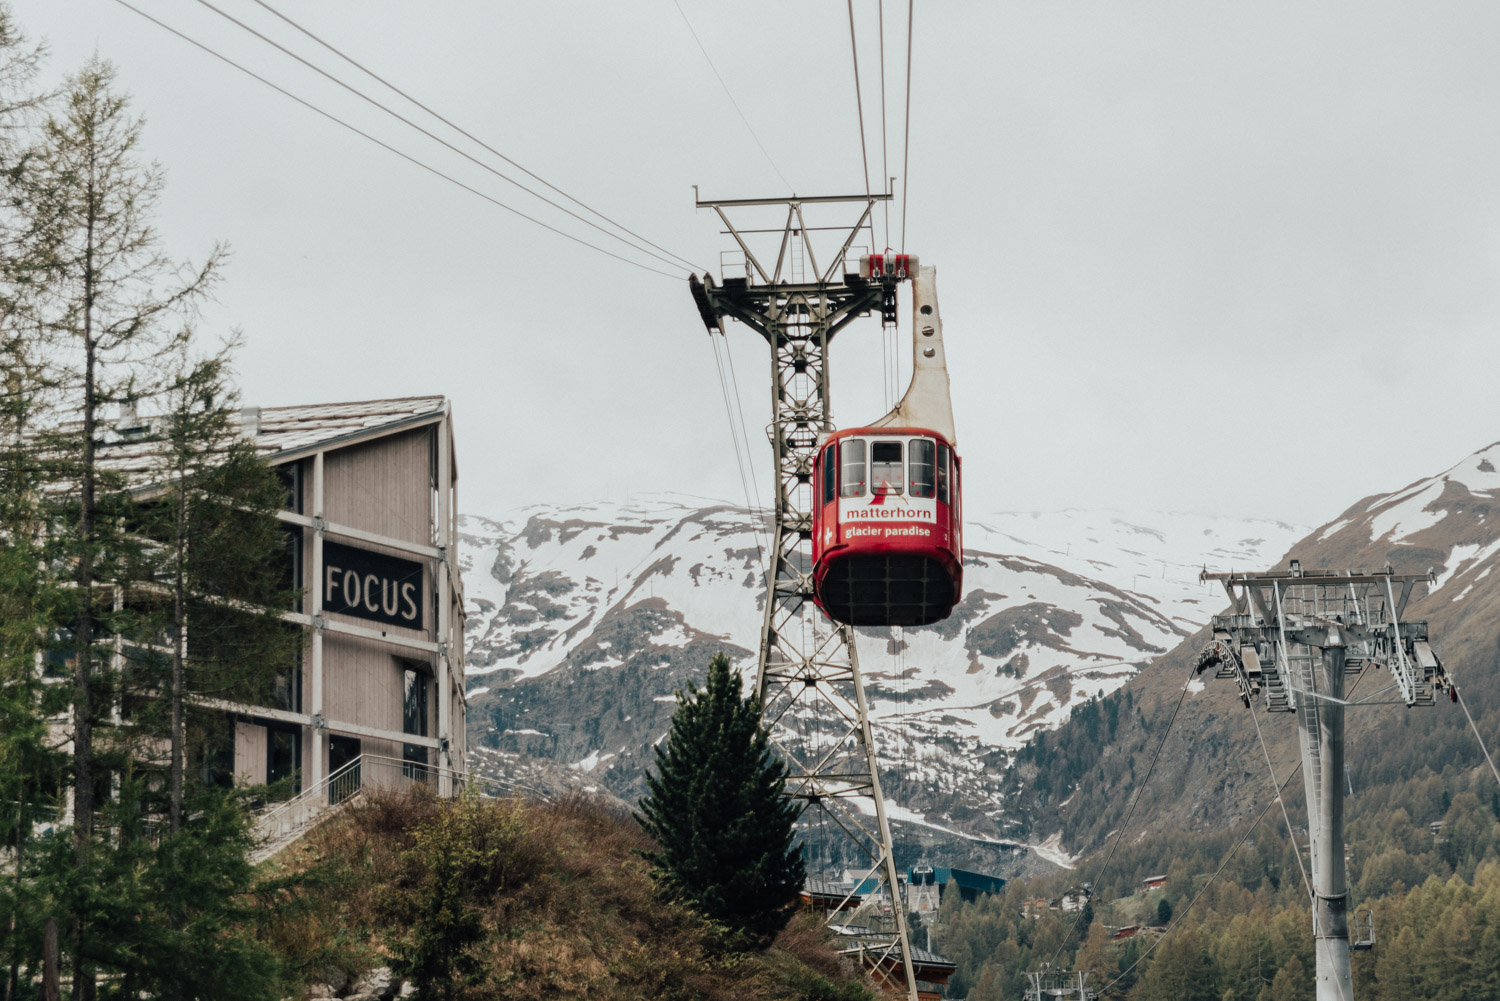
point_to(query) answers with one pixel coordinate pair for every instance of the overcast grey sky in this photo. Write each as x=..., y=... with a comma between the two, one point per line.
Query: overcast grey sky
x=1233, y=258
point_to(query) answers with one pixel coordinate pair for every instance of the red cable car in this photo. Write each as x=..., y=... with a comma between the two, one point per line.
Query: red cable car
x=887, y=535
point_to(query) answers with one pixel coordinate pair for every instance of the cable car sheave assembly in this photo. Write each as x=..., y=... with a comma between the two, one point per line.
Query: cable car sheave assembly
x=883, y=549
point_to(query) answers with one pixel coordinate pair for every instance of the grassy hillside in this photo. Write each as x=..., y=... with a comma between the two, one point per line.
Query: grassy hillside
x=520, y=899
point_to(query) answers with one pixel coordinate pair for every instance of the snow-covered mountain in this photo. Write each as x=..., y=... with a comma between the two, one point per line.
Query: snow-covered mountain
x=584, y=620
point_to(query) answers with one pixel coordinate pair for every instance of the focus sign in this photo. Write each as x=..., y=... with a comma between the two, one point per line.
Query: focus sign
x=372, y=585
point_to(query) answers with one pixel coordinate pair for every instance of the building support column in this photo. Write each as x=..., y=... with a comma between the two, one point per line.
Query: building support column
x=317, y=739
x=445, y=668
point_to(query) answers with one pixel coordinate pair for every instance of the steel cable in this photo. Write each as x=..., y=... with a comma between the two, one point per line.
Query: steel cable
x=468, y=135
x=1134, y=802
x=389, y=148
x=435, y=138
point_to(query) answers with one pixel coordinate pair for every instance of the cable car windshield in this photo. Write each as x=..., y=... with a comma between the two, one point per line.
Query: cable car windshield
x=923, y=460
x=852, y=468
x=887, y=471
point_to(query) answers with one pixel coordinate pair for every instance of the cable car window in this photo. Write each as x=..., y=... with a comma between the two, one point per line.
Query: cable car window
x=829, y=491
x=887, y=471
x=923, y=458
x=942, y=473
x=852, y=468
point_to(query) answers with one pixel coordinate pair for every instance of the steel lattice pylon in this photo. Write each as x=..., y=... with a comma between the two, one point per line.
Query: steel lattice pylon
x=808, y=679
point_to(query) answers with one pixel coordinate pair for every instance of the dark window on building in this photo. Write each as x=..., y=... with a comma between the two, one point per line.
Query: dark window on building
x=215, y=752
x=830, y=477
x=286, y=690
x=923, y=460
x=942, y=473
x=284, y=756
x=61, y=655
x=887, y=471
x=414, y=720
x=291, y=547
x=852, y=467
x=290, y=476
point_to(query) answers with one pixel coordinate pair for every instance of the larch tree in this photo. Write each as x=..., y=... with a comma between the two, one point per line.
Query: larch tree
x=31, y=767
x=718, y=809
x=218, y=560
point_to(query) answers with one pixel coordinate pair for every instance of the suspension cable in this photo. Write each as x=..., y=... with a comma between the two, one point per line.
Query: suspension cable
x=1477, y=735
x=1222, y=865
x=389, y=148
x=1134, y=802
x=1296, y=851
x=435, y=138
x=744, y=433
x=885, y=165
x=906, y=142
x=859, y=101
x=740, y=460
x=463, y=132
x=728, y=94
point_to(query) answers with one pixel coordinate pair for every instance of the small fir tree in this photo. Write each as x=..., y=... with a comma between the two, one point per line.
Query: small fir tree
x=718, y=809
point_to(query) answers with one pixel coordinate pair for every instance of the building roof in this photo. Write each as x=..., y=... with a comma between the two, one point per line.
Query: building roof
x=965, y=878
x=285, y=432
x=281, y=434
x=819, y=887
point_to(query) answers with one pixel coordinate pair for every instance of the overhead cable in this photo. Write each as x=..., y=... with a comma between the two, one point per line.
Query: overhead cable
x=741, y=457
x=386, y=146
x=1477, y=736
x=859, y=102
x=885, y=165
x=1285, y=819
x=435, y=138
x=748, y=127
x=906, y=142
x=1134, y=802
x=1222, y=866
x=734, y=383
x=468, y=135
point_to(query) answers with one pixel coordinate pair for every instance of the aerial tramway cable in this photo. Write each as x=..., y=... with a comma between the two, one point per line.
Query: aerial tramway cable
x=436, y=138
x=741, y=457
x=1296, y=851
x=859, y=101
x=388, y=147
x=1465, y=706
x=468, y=135
x=906, y=142
x=1222, y=865
x=744, y=432
x=703, y=49
x=1134, y=802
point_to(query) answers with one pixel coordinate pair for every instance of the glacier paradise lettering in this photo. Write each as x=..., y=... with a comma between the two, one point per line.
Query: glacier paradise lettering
x=885, y=531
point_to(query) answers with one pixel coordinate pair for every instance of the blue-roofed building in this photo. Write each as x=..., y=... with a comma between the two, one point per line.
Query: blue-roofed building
x=926, y=886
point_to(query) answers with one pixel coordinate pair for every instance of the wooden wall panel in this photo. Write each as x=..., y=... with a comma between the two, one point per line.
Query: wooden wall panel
x=383, y=486
x=249, y=753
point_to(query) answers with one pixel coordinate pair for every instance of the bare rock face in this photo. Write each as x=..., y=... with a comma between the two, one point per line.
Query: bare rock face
x=377, y=985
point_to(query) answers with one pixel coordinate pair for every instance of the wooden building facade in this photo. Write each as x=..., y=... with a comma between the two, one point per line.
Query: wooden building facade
x=371, y=524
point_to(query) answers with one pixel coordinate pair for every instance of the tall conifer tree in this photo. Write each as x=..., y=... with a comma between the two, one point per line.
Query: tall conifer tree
x=717, y=806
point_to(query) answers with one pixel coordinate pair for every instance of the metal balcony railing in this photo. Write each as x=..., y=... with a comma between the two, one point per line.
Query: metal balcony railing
x=285, y=823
